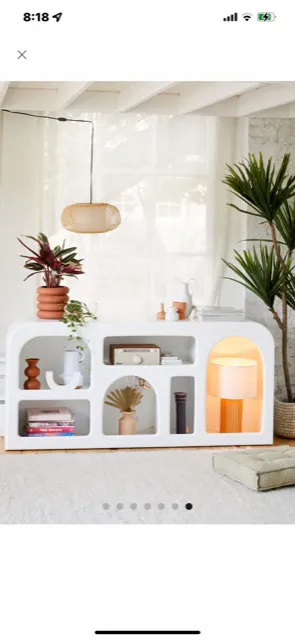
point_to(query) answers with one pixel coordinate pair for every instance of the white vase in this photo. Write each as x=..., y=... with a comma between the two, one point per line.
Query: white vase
x=182, y=294
x=172, y=314
x=72, y=360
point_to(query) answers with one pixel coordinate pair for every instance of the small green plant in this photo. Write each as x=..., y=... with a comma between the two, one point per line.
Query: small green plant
x=76, y=316
x=124, y=399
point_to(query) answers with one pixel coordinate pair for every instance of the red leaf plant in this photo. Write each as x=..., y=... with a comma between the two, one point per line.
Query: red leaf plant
x=54, y=263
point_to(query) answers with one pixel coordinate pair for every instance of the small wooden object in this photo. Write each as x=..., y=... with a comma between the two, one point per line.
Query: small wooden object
x=161, y=315
x=181, y=308
x=32, y=372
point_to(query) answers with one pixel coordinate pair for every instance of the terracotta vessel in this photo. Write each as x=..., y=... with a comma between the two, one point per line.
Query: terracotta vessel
x=51, y=302
x=161, y=315
x=127, y=424
x=32, y=372
x=181, y=308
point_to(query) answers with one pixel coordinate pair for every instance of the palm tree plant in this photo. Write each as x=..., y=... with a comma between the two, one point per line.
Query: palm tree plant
x=267, y=271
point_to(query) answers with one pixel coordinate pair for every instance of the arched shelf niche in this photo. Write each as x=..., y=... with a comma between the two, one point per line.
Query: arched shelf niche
x=239, y=352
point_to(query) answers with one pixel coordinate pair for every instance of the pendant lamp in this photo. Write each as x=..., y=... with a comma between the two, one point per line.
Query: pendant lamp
x=90, y=217
x=84, y=217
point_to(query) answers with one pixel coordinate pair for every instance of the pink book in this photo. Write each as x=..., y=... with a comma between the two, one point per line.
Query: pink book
x=56, y=414
x=50, y=429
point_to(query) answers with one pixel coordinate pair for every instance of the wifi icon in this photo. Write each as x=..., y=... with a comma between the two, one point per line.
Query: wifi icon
x=247, y=16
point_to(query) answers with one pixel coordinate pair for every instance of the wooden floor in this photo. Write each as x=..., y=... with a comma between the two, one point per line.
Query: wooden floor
x=277, y=442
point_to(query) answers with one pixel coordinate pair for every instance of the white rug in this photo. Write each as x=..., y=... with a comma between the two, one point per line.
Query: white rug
x=137, y=487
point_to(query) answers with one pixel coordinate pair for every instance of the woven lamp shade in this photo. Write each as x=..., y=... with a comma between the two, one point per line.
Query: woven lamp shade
x=91, y=218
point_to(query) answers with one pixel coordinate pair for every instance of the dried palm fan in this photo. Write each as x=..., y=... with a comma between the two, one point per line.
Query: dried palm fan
x=124, y=399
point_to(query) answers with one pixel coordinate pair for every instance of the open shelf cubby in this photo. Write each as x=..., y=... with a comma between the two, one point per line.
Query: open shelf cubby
x=50, y=352
x=239, y=351
x=79, y=408
x=182, y=346
x=183, y=384
x=146, y=411
x=209, y=398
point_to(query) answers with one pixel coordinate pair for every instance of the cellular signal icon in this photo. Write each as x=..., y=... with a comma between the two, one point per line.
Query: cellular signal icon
x=232, y=18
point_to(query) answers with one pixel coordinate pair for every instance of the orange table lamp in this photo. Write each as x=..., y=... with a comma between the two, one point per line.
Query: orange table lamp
x=232, y=380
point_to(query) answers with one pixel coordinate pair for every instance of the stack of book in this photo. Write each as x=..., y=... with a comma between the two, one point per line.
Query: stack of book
x=50, y=422
x=220, y=314
x=170, y=358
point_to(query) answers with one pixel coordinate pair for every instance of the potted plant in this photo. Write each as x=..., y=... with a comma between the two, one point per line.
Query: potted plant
x=267, y=271
x=125, y=400
x=76, y=315
x=53, y=264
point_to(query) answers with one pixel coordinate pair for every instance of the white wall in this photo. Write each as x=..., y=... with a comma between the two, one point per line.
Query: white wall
x=21, y=153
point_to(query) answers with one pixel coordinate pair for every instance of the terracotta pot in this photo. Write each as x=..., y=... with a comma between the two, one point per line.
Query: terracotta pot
x=127, y=424
x=51, y=302
x=284, y=418
x=32, y=372
x=181, y=308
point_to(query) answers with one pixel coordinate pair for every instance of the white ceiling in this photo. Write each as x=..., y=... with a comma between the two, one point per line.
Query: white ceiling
x=232, y=99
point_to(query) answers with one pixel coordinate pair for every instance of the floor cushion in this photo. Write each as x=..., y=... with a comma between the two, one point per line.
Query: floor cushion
x=258, y=469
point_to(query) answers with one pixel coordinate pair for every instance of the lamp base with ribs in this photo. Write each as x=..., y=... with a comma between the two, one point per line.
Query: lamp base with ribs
x=231, y=416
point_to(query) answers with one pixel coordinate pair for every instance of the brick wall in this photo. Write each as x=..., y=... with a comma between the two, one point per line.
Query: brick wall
x=273, y=137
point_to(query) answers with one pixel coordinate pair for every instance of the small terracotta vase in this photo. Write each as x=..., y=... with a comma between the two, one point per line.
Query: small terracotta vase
x=127, y=424
x=181, y=308
x=51, y=302
x=32, y=372
x=161, y=315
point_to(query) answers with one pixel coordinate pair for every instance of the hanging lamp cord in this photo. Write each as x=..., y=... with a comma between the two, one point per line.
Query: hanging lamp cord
x=61, y=119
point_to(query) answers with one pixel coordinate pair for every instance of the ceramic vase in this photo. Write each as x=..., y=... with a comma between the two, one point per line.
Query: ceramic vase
x=182, y=294
x=172, y=314
x=181, y=308
x=127, y=424
x=32, y=372
x=161, y=315
x=180, y=399
x=51, y=302
x=72, y=361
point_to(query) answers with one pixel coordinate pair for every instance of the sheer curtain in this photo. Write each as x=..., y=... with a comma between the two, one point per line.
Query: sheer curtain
x=164, y=174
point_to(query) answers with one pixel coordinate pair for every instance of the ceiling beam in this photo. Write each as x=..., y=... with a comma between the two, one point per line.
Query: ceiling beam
x=212, y=93
x=139, y=92
x=268, y=97
x=30, y=99
x=284, y=111
x=3, y=90
x=68, y=93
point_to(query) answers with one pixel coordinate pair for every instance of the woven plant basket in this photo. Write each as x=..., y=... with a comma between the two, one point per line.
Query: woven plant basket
x=284, y=415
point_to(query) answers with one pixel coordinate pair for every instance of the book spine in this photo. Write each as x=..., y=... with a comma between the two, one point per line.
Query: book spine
x=48, y=430
x=48, y=435
x=51, y=425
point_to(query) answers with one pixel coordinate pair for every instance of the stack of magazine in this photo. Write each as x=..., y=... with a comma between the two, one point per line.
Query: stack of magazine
x=57, y=421
x=170, y=358
x=220, y=314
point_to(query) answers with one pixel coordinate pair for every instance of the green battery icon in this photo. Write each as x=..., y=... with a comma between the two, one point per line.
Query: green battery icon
x=268, y=16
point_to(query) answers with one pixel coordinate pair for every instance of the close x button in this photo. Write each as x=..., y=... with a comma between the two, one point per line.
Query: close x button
x=22, y=54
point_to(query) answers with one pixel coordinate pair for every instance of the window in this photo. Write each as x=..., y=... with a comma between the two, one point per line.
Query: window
x=155, y=170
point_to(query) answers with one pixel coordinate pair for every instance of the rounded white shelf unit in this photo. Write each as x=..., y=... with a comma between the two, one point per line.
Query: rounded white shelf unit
x=192, y=340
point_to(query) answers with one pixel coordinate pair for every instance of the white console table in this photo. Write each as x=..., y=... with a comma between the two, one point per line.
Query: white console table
x=196, y=342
